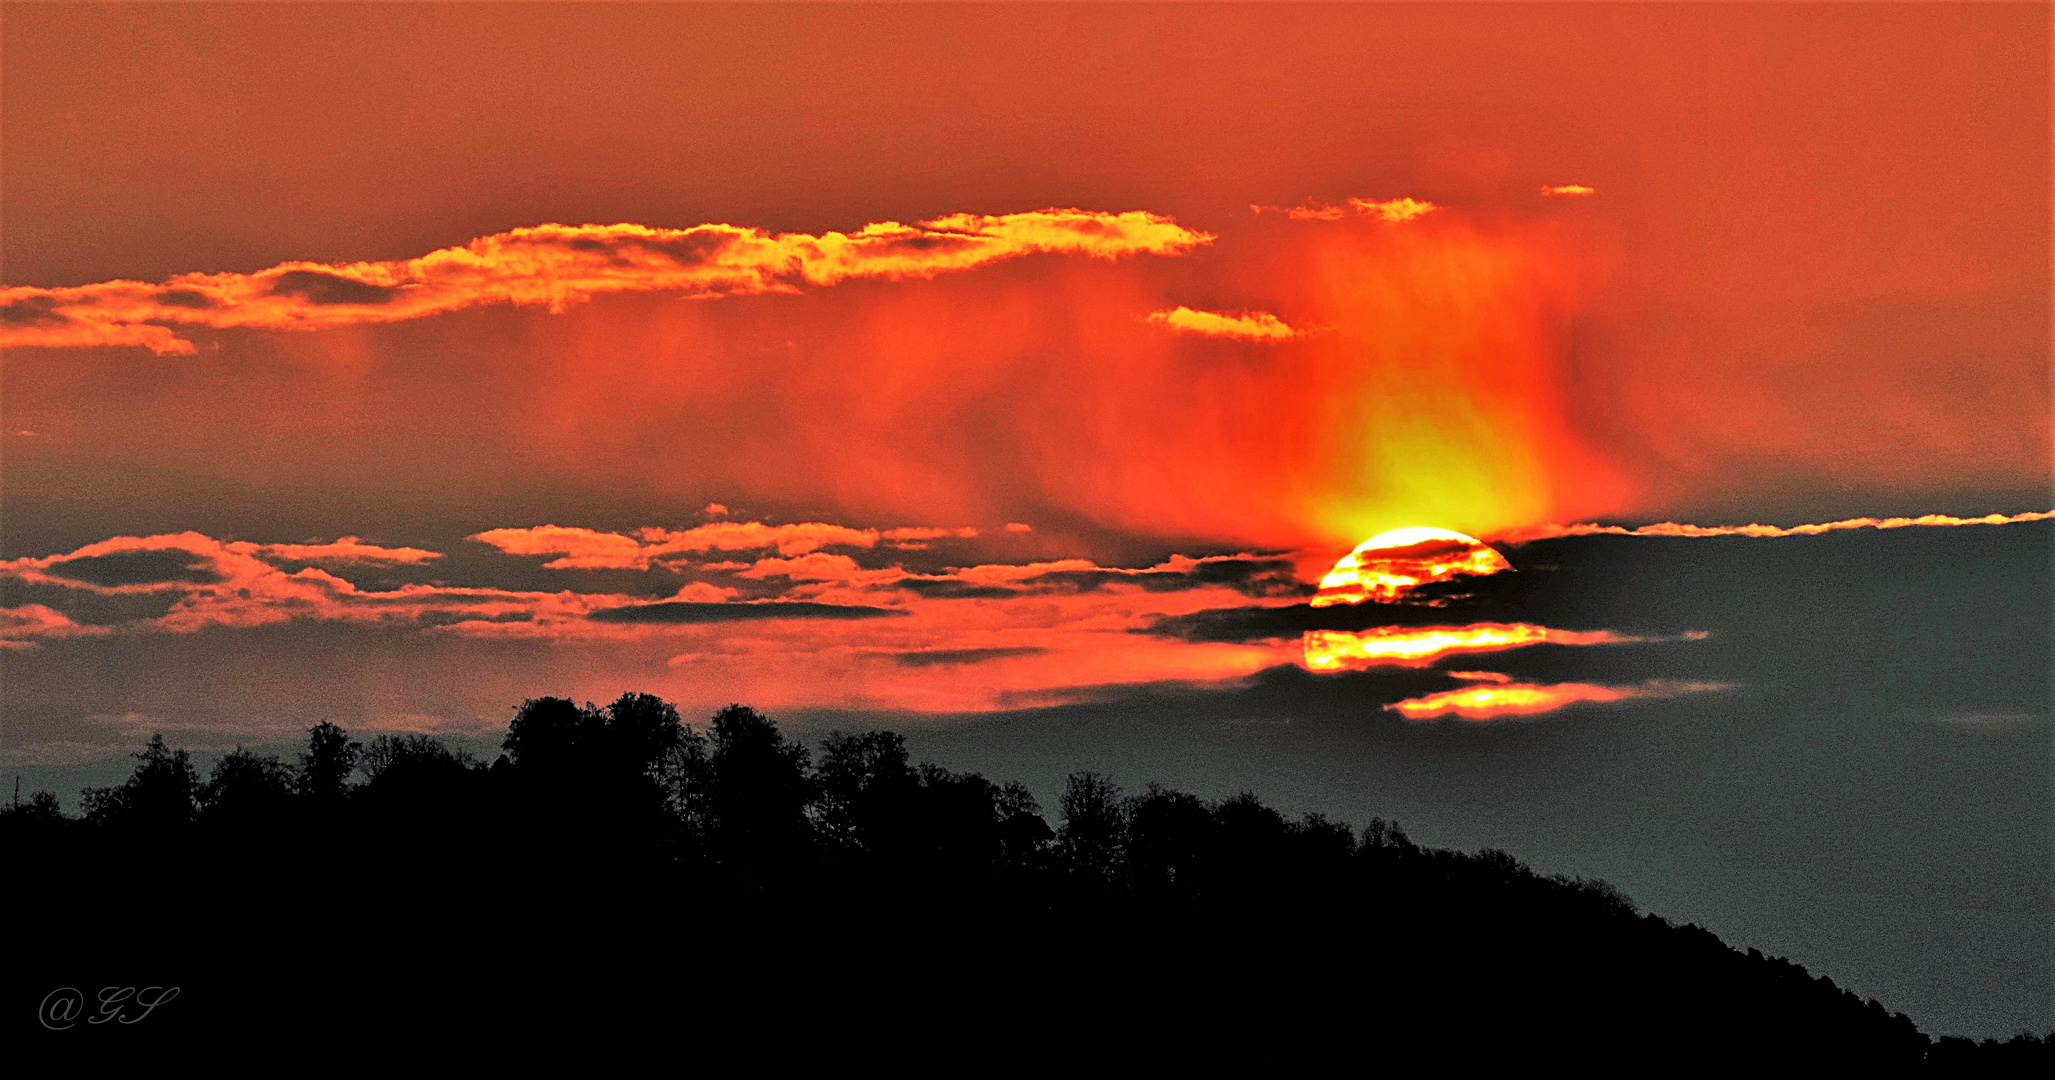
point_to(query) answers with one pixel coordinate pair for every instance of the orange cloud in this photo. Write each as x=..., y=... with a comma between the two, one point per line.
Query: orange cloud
x=1343, y=650
x=1393, y=210
x=1315, y=212
x=1249, y=326
x=1306, y=211
x=130, y=564
x=1035, y=633
x=349, y=551
x=916, y=538
x=23, y=625
x=1568, y=189
x=588, y=549
x=1498, y=698
x=577, y=548
x=1671, y=528
x=818, y=566
x=232, y=584
x=559, y=265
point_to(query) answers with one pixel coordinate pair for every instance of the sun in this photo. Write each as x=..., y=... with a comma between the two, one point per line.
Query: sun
x=1391, y=564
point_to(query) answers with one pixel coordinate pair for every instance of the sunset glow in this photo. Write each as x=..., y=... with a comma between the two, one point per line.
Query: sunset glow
x=1250, y=326
x=1391, y=564
x=1498, y=699
x=1339, y=650
x=1615, y=433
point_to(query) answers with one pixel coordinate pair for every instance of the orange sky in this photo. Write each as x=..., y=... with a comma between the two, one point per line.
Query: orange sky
x=1813, y=274
x=1196, y=281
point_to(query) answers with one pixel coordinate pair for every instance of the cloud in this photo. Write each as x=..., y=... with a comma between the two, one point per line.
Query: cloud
x=1568, y=189
x=1340, y=650
x=1671, y=528
x=1498, y=699
x=1394, y=210
x=1249, y=326
x=1389, y=210
x=954, y=657
x=683, y=613
x=589, y=549
x=20, y=626
x=348, y=551
x=817, y=566
x=916, y=538
x=1989, y=722
x=1305, y=211
x=129, y=564
x=559, y=265
x=577, y=548
x=1251, y=576
x=207, y=582
x=818, y=629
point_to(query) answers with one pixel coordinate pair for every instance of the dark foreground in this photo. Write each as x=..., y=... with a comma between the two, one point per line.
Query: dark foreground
x=620, y=878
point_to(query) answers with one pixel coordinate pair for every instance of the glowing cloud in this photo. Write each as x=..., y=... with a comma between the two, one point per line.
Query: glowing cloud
x=209, y=583
x=1671, y=528
x=1389, y=565
x=1311, y=212
x=1249, y=326
x=1393, y=210
x=1342, y=650
x=559, y=265
x=22, y=625
x=1306, y=211
x=1568, y=189
x=814, y=629
x=348, y=551
x=589, y=549
x=917, y=537
x=1498, y=698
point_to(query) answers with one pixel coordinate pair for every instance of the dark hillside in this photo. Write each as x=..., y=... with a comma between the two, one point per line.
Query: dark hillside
x=617, y=871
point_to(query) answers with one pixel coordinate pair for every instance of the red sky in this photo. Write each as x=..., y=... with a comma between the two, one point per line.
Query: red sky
x=1809, y=279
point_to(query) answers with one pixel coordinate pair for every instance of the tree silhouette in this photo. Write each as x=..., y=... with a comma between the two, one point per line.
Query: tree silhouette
x=868, y=794
x=1093, y=838
x=759, y=790
x=1169, y=835
x=410, y=761
x=40, y=814
x=602, y=831
x=326, y=766
x=246, y=788
x=162, y=793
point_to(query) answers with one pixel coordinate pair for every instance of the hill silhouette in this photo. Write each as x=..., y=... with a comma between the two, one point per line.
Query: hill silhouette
x=616, y=870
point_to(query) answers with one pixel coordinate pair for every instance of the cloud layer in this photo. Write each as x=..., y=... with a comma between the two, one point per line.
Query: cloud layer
x=559, y=265
x=789, y=623
x=1497, y=697
x=1672, y=528
x=1248, y=326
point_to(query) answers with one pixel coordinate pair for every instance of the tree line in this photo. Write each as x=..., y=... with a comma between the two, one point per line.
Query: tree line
x=602, y=837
